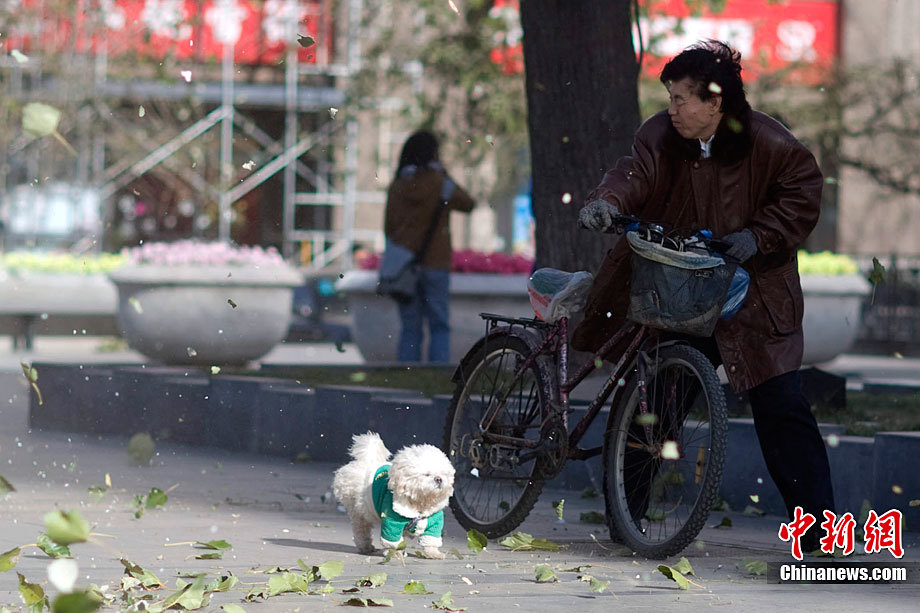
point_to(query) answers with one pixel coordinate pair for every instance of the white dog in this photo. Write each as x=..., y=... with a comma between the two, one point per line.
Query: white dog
x=405, y=496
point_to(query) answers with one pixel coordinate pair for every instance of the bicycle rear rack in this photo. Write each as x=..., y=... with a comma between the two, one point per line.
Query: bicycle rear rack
x=493, y=320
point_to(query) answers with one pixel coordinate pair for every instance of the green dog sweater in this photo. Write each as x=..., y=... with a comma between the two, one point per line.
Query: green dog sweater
x=392, y=524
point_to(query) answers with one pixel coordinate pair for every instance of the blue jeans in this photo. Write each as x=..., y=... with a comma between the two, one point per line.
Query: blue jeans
x=432, y=303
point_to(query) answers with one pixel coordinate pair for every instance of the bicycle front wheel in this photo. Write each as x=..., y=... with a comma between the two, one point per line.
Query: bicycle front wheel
x=663, y=465
x=497, y=483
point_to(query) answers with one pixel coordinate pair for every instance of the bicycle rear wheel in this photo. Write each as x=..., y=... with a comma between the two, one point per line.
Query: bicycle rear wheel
x=497, y=484
x=663, y=468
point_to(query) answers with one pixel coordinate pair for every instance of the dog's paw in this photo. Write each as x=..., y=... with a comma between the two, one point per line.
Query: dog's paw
x=367, y=550
x=432, y=553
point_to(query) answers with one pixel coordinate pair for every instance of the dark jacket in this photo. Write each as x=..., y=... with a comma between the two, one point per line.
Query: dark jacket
x=760, y=178
x=411, y=202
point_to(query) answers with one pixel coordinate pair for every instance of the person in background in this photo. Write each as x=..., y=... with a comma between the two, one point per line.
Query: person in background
x=413, y=198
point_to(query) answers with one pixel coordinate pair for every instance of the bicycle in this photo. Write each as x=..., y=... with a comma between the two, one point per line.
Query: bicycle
x=508, y=431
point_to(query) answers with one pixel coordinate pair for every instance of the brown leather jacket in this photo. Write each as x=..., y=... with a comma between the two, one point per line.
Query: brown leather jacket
x=760, y=178
x=411, y=202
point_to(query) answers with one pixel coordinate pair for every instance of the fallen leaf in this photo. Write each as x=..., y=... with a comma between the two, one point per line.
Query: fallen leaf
x=725, y=523
x=330, y=570
x=596, y=585
x=545, y=574
x=415, y=587
x=288, y=582
x=521, y=541
x=446, y=603
x=52, y=549
x=306, y=40
x=674, y=575
x=683, y=567
x=214, y=555
x=8, y=559
x=223, y=584
x=32, y=594
x=476, y=541
x=355, y=601
x=221, y=544
x=190, y=596
x=77, y=602
x=755, y=567
x=5, y=486
x=374, y=580
x=592, y=517
x=146, y=578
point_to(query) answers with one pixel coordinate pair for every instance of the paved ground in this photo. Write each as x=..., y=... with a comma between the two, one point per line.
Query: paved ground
x=273, y=513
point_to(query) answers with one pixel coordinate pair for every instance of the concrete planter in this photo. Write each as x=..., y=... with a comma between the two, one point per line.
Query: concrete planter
x=375, y=319
x=204, y=315
x=833, y=313
x=831, y=321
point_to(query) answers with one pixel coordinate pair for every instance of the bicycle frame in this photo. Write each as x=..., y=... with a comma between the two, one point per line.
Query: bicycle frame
x=555, y=342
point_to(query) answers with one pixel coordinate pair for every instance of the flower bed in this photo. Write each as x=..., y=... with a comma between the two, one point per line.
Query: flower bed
x=52, y=262
x=467, y=260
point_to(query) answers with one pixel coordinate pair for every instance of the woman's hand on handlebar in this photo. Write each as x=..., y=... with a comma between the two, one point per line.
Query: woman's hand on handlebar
x=601, y=216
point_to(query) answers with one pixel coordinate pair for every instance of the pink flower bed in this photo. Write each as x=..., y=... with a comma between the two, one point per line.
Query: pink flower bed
x=196, y=253
x=467, y=260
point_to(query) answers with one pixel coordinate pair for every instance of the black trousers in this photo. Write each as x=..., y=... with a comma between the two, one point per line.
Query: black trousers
x=792, y=446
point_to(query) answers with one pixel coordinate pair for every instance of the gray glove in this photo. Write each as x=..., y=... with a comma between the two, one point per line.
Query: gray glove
x=598, y=215
x=743, y=245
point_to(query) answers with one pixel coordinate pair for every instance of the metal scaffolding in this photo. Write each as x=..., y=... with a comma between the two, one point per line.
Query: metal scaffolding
x=332, y=182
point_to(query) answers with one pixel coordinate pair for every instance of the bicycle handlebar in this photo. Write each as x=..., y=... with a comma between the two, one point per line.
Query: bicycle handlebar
x=656, y=233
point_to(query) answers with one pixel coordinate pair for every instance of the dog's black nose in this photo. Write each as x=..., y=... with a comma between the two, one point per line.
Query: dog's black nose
x=438, y=480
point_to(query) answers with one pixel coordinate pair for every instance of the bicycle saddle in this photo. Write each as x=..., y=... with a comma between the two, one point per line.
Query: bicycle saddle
x=556, y=293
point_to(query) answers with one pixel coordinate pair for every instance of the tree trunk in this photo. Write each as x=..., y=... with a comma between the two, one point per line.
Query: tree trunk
x=583, y=109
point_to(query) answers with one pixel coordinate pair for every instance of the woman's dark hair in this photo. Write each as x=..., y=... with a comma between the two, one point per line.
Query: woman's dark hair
x=716, y=69
x=418, y=150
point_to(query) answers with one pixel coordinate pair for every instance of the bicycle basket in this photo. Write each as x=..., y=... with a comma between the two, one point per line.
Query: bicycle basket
x=677, y=291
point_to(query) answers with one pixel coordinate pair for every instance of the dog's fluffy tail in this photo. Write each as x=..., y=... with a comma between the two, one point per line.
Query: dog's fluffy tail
x=369, y=448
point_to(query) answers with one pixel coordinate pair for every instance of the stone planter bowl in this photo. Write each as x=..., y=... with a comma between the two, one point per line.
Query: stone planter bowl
x=833, y=312
x=184, y=315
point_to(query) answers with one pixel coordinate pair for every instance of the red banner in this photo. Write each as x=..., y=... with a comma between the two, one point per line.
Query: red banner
x=800, y=35
x=185, y=29
x=797, y=34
